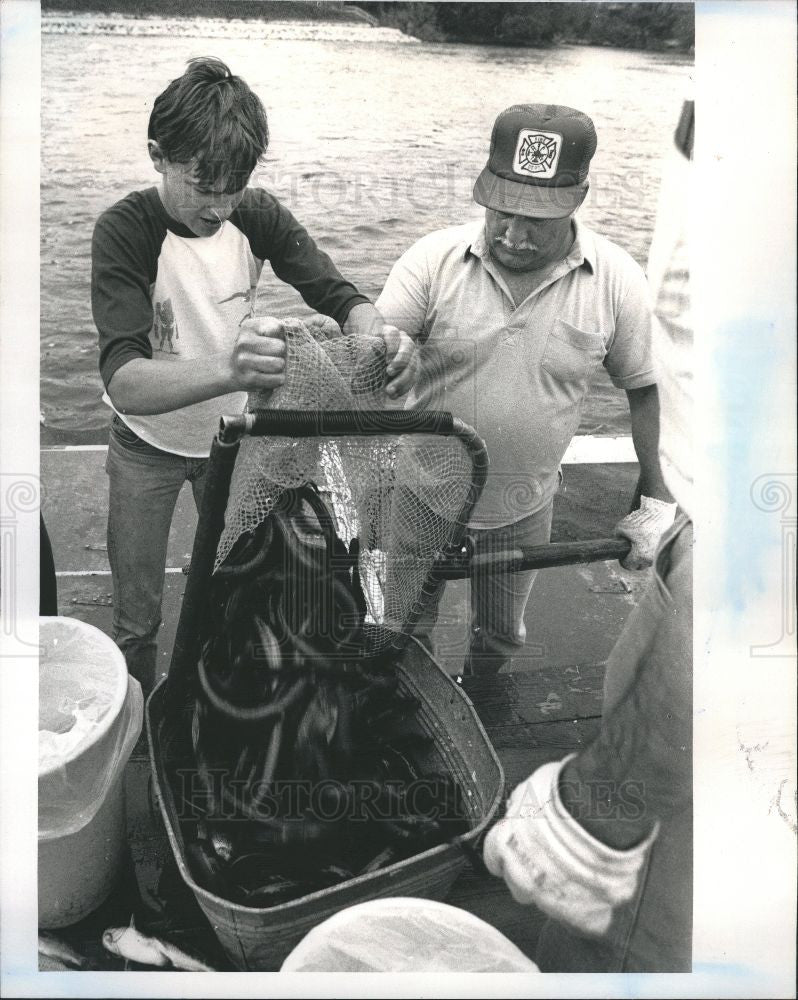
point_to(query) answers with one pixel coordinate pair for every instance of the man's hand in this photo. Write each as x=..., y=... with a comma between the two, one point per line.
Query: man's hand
x=401, y=354
x=547, y=858
x=258, y=357
x=402, y=361
x=644, y=527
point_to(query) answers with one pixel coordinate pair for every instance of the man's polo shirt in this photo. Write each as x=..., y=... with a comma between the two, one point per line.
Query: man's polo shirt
x=519, y=375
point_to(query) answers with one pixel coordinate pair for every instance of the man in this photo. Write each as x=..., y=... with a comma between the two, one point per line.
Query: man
x=515, y=314
x=174, y=272
x=602, y=841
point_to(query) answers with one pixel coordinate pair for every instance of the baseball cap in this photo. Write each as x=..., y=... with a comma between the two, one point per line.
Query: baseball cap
x=538, y=162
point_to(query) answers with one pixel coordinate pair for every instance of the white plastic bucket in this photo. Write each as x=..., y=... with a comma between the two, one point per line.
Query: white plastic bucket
x=90, y=714
x=406, y=934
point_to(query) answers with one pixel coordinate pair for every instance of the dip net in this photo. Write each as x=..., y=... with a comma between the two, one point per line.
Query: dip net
x=398, y=501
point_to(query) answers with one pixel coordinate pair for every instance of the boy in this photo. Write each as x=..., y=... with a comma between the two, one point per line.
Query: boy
x=174, y=269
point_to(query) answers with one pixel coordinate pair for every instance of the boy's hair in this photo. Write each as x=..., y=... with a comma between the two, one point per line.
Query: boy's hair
x=211, y=116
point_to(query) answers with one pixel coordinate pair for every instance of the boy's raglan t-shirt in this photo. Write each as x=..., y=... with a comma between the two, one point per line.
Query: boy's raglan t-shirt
x=159, y=291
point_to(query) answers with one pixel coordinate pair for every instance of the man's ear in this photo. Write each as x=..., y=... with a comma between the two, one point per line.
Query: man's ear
x=157, y=156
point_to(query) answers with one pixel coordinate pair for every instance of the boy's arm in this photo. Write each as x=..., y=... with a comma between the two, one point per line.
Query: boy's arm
x=275, y=235
x=278, y=237
x=146, y=385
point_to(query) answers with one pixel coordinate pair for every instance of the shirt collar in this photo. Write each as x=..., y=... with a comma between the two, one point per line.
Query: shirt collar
x=582, y=252
x=475, y=242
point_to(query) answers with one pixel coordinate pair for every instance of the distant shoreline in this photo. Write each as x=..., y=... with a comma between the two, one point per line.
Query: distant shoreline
x=242, y=10
x=661, y=27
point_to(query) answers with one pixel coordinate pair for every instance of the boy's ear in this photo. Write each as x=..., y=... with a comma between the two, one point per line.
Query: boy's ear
x=156, y=155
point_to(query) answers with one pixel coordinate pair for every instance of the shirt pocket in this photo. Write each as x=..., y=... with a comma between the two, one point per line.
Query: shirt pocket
x=571, y=355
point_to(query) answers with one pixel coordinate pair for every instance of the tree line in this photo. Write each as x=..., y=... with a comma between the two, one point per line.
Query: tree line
x=624, y=25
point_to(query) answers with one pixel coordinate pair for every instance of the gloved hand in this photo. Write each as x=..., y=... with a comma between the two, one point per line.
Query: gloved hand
x=547, y=858
x=644, y=528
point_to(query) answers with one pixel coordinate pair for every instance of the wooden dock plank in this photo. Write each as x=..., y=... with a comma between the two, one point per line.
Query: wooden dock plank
x=548, y=694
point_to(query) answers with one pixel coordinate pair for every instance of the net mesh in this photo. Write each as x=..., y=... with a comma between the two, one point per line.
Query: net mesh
x=400, y=496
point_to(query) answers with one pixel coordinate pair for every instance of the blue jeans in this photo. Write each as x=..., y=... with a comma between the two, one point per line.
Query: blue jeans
x=144, y=483
x=498, y=600
x=645, y=738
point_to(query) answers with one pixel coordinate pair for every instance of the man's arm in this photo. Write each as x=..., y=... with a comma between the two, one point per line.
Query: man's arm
x=630, y=365
x=404, y=300
x=644, y=410
x=653, y=508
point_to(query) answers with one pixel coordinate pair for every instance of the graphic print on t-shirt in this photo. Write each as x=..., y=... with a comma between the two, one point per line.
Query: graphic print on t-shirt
x=165, y=328
x=248, y=296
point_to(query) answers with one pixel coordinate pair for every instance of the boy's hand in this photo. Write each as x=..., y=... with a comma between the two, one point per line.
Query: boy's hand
x=402, y=361
x=258, y=357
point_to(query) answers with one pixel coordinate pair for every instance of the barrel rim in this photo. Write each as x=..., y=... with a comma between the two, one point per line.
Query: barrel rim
x=117, y=703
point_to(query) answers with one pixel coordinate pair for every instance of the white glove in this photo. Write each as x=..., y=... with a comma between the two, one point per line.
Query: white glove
x=644, y=527
x=548, y=859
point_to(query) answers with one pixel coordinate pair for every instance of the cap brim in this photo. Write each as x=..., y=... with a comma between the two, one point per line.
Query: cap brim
x=533, y=200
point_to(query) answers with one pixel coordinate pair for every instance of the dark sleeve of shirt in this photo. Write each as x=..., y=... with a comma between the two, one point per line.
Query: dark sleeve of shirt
x=124, y=259
x=275, y=235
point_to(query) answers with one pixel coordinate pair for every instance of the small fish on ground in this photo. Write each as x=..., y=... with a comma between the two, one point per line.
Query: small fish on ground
x=133, y=946
x=57, y=954
x=383, y=858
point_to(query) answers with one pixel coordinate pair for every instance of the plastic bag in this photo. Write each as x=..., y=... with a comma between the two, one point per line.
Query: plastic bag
x=405, y=934
x=90, y=715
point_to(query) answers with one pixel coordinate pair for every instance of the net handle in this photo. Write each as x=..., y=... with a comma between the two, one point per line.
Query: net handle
x=182, y=670
x=313, y=423
x=527, y=557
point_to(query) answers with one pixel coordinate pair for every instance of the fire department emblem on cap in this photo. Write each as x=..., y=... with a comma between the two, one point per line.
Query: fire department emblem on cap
x=537, y=153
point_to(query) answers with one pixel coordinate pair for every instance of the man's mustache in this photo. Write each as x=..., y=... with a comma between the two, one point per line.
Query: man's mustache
x=523, y=245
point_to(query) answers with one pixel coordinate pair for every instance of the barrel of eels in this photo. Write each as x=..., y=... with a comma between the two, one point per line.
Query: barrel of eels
x=260, y=939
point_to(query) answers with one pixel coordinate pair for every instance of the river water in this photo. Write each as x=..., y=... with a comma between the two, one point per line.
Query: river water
x=375, y=140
